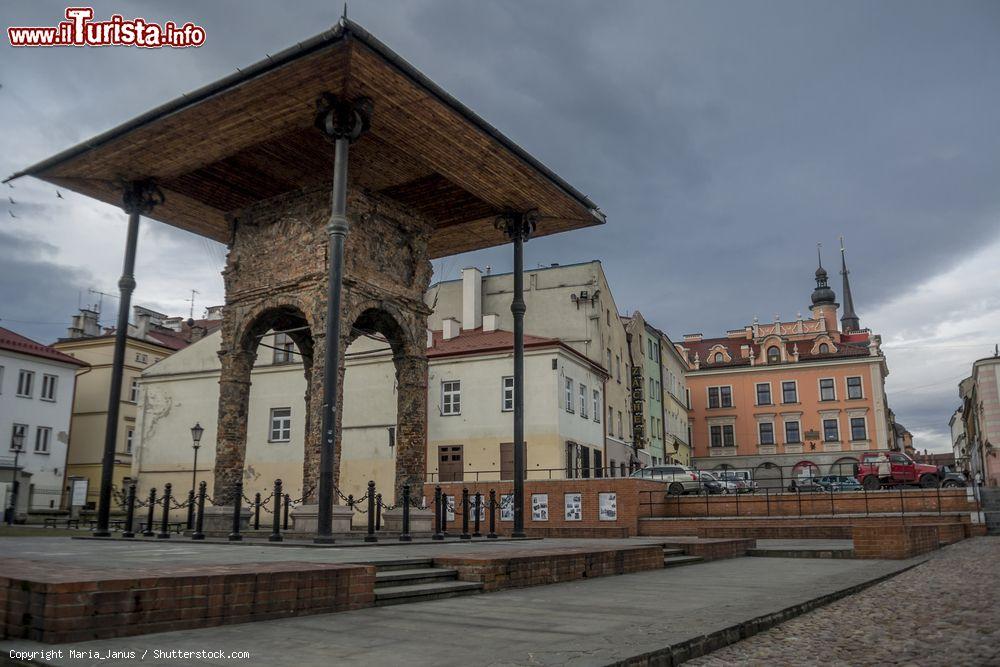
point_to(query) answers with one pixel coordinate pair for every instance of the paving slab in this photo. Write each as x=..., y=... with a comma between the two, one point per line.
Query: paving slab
x=592, y=622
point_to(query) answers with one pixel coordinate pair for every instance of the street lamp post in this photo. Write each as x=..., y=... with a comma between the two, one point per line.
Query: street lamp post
x=17, y=444
x=196, y=432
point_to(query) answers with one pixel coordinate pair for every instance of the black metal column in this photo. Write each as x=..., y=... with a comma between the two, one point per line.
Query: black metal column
x=138, y=198
x=343, y=122
x=518, y=227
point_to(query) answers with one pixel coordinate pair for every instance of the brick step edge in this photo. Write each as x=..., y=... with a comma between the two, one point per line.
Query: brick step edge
x=696, y=647
x=801, y=553
x=677, y=561
x=422, y=592
x=395, y=578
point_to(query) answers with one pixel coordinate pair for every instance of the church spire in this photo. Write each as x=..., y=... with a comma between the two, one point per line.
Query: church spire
x=849, y=320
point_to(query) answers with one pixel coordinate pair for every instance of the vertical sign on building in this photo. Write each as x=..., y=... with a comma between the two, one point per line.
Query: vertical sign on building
x=638, y=409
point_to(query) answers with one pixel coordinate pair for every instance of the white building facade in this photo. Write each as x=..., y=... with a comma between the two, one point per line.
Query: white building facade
x=37, y=384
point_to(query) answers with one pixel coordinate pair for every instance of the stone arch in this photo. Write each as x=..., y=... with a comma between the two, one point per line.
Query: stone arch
x=241, y=335
x=769, y=476
x=845, y=465
x=723, y=466
x=805, y=468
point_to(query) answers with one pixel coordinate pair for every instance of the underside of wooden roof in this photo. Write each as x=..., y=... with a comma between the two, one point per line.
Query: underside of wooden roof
x=251, y=137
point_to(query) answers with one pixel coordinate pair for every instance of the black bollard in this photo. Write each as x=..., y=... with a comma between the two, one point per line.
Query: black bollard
x=237, y=506
x=200, y=521
x=129, y=512
x=151, y=517
x=465, y=515
x=478, y=506
x=404, y=536
x=165, y=522
x=190, y=522
x=492, y=535
x=444, y=514
x=276, y=529
x=370, y=537
x=378, y=512
x=438, y=535
x=256, y=512
x=288, y=502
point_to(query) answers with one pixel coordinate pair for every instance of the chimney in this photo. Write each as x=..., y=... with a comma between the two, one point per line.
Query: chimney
x=451, y=328
x=141, y=324
x=213, y=313
x=472, y=298
x=745, y=351
x=197, y=333
x=692, y=338
x=84, y=324
x=430, y=339
x=491, y=322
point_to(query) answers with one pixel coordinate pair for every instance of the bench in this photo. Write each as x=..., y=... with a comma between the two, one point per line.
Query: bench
x=53, y=522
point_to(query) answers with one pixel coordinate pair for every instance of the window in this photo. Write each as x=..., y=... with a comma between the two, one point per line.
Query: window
x=18, y=430
x=451, y=397
x=831, y=430
x=766, y=430
x=824, y=348
x=391, y=433
x=133, y=391
x=764, y=394
x=719, y=358
x=620, y=431
x=129, y=434
x=281, y=425
x=793, y=434
x=42, y=436
x=25, y=383
x=723, y=436
x=652, y=388
x=1, y=379
x=597, y=406
x=859, y=430
x=507, y=400
x=609, y=361
x=584, y=397
x=720, y=397
x=49, y=387
x=618, y=368
x=611, y=420
x=827, y=390
x=284, y=349
x=569, y=395
x=141, y=358
x=854, y=387
x=773, y=355
x=789, y=392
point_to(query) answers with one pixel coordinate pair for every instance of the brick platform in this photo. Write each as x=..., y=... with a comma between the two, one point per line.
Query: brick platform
x=66, y=603
x=895, y=542
x=713, y=548
x=518, y=569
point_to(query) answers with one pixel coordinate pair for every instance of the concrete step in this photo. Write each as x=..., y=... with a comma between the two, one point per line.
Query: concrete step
x=402, y=564
x=677, y=561
x=801, y=553
x=422, y=575
x=423, y=592
x=670, y=551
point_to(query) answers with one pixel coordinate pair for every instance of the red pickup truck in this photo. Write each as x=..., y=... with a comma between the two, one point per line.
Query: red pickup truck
x=894, y=469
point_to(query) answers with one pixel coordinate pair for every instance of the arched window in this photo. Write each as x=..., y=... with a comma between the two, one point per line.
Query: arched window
x=773, y=354
x=719, y=358
x=824, y=348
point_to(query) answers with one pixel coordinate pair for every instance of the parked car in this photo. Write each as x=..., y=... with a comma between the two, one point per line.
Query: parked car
x=805, y=483
x=742, y=480
x=839, y=483
x=895, y=469
x=709, y=483
x=679, y=479
x=951, y=479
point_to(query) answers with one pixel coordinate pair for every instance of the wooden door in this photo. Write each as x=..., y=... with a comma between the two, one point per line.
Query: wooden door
x=507, y=461
x=450, y=463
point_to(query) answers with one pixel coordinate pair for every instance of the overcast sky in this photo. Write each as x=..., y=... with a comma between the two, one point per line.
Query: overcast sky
x=722, y=139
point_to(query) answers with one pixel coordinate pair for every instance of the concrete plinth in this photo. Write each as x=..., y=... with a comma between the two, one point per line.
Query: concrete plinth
x=421, y=521
x=305, y=519
x=219, y=519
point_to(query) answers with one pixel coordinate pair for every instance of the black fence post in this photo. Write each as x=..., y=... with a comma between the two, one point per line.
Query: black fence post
x=151, y=516
x=256, y=511
x=866, y=500
x=444, y=514
x=288, y=502
x=276, y=527
x=190, y=504
x=237, y=507
x=737, y=502
x=438, y=534
x=130, y=512
x=939, y=497
x=370, y=537
x=902, y=506
x=492, y=535
x=404, y=535
x=833, y=510
x=767, y=499
x=465, y=515
x=200, y=520
x=478, y=507
x=165, y=522
x=798, y=492
x=378, y=512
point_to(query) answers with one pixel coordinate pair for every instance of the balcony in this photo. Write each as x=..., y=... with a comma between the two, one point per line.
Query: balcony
x=722, y=451
x=793, y=448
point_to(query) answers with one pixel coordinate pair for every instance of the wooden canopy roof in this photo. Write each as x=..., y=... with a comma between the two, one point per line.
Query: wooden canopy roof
x=250, y=136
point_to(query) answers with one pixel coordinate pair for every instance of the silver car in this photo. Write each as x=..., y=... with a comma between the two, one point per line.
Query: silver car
x=679, y=479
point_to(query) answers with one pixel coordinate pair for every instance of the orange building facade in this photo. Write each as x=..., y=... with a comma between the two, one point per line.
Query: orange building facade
x=785, y=400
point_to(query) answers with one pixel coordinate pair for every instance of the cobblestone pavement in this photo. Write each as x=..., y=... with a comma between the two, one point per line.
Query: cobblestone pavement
x=943, y=612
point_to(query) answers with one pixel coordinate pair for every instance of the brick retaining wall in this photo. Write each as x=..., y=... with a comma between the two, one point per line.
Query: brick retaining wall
x=816, y=527
x=69, y=604
x=518, y=569
x=895, y=542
